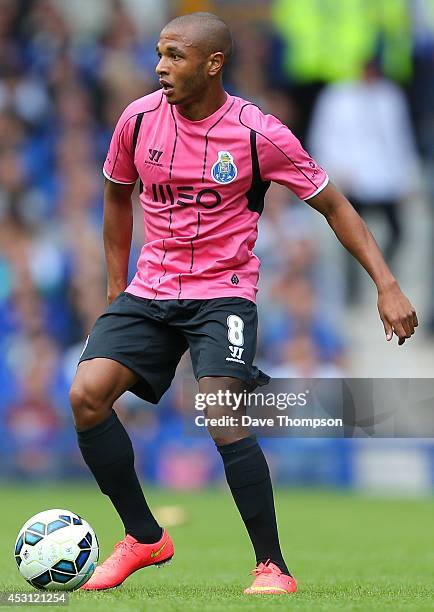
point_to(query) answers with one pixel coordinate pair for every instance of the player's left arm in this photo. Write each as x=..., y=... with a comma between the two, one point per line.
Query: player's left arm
x=396, y=312
x=282, y=159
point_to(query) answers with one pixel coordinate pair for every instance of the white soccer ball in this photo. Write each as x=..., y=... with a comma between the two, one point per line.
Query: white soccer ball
x=56, y=550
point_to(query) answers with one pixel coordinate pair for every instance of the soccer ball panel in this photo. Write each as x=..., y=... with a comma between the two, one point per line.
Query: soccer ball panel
x=31, y=567
x=56, y=550
x=32, y=538
x=70, y=549
x=65, y=566
x=42, y=580
x=19, y=544
x=37, y=527
x=55, y=525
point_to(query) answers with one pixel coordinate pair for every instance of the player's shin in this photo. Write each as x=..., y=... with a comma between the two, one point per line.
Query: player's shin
x=249, y=480
x=108, y=452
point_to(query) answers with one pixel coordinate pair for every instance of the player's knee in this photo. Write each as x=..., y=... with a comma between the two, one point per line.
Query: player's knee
x=223, y=435
x=87, y=407
x=220, y=439
x=225, y=425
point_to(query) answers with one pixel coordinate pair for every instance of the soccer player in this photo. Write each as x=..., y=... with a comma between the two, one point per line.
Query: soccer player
x=204, y=160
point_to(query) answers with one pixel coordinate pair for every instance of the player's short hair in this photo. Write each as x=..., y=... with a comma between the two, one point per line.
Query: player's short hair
x=213, y=33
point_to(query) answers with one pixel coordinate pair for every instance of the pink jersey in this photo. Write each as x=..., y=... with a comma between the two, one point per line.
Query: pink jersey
x=202, y=187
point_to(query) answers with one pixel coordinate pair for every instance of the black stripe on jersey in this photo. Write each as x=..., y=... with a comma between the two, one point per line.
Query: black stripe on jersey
x=123, y=127
x=175, y=142
x=192, y=242
x=172, y=202
x=275, y=145
x=139, y=120
x=206, y=139
x=163, y=195
x=179, y=284
x=258, y=188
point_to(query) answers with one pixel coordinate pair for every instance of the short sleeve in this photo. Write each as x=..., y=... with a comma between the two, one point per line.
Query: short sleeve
x=119, y=164
x=283, y=160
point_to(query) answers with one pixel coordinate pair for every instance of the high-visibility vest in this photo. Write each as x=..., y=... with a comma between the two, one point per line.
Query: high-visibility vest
x=332, y=39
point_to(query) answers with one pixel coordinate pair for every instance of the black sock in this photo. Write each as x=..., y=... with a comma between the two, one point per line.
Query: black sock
x=108, y=452
x=250, y=483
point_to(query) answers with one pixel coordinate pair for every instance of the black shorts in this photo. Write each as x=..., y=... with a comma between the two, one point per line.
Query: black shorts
x=150, y=336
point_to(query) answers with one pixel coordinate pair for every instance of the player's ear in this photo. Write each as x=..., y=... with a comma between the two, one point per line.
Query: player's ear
x=215, y=63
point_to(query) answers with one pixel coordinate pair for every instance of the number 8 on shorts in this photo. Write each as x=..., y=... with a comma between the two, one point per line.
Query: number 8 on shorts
x=235, y=330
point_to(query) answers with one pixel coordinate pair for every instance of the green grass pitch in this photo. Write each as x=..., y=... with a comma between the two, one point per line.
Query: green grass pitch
x=348, y=552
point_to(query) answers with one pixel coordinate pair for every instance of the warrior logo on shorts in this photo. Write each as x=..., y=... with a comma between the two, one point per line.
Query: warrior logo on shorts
x=224, y=170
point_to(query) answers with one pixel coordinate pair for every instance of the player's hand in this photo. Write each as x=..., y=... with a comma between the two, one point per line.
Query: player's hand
x=397, y=314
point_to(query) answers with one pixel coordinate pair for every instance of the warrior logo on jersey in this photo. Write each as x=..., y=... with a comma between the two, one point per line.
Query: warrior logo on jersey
x=224, y=170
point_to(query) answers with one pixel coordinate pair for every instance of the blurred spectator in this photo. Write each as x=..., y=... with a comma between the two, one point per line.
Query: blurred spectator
x=297, y=312
x=300, y=358
x=248, y=75
x=33, y=420
x=327, y=41
x=295, y=262
x=361, y=132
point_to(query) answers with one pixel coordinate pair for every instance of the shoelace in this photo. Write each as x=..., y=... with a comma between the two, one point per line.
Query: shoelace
x=120, y=550
x=263, y=568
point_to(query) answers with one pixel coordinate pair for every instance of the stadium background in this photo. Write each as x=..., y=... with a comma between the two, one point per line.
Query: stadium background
x=67, y=70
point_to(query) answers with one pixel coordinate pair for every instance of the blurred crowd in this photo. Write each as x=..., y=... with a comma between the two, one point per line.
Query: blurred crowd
x=354, y=80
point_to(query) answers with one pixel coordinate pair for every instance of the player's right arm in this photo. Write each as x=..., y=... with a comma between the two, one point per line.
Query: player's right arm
x=117, y=232
x=121, y=175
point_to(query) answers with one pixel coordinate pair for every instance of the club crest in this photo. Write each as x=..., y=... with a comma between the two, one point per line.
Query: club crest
x=224, y=170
